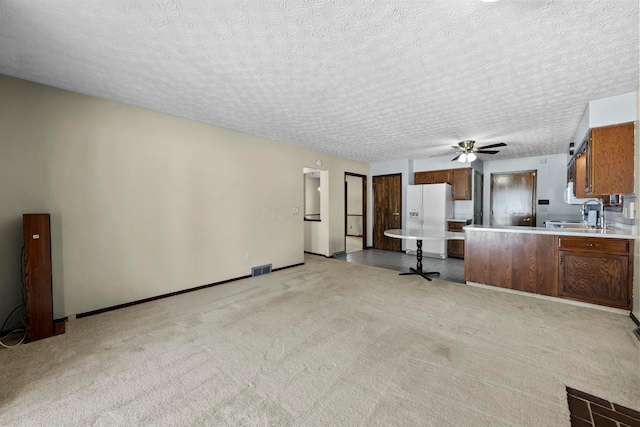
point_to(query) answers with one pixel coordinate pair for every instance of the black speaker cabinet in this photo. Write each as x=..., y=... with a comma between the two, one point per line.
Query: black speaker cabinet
x=37, y=275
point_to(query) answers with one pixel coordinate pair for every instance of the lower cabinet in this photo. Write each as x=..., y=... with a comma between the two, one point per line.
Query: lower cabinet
x=519, y=261
x=595, y=270
x=455, y=248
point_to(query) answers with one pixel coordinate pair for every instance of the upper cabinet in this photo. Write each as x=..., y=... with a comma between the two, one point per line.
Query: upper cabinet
x=604, y=162
x=461, y=187
x=460, y=180
x=433, y=177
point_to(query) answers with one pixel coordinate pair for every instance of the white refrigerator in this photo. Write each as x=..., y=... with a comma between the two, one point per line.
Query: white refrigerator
x=429, y=206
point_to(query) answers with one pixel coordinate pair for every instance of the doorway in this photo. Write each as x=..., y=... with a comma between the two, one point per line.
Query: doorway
x=387, y=210
x=316, y=208
x=355, y=212
x=513, y=197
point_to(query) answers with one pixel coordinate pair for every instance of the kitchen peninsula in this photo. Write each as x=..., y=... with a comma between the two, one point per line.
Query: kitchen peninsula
x=589, y=265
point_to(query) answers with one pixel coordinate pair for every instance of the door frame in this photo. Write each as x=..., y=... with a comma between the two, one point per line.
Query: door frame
x=364, y=207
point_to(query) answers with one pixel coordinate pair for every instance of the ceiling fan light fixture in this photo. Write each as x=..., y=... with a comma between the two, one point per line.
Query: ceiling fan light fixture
x=462, y=158
x=471, y=157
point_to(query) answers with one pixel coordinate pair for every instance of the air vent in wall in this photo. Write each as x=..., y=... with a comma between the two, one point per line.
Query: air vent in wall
x=260, y=270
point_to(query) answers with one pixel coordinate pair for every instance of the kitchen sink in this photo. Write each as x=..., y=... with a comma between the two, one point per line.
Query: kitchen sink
x=574, y=226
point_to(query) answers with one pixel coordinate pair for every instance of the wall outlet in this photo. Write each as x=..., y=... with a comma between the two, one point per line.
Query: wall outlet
x=247, y=256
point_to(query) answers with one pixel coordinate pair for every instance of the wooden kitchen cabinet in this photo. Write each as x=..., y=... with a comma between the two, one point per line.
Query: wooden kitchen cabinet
x=460, y=180
x=580, y=173
x=432, y=177
x=455, y=248
x=520, y=261
x=604, y=161
x=571, y=171
x=461, y=187
x=595, y=270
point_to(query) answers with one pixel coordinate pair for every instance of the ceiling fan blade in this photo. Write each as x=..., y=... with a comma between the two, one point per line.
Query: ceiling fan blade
x=456, y=157
x=499, y=144
x=456, y=147
x=487, y=152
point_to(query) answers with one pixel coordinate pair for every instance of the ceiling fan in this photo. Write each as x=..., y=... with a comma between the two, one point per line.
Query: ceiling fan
x=469, y=151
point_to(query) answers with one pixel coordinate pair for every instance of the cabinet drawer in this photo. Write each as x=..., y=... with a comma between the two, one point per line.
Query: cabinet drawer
x=456, y=226
x=594, y=244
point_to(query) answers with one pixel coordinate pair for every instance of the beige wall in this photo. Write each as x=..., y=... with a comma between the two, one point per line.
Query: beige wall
x=144, y=204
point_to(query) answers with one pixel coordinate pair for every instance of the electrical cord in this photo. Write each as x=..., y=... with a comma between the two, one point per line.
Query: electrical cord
x=6, y=322
x=24, y=335
x=15, y=310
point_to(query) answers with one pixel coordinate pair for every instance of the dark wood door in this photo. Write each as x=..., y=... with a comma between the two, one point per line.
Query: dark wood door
x=387, y=210
x=513, y=197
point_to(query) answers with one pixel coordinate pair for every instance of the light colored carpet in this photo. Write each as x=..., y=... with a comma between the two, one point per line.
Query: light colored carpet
x=327, y=343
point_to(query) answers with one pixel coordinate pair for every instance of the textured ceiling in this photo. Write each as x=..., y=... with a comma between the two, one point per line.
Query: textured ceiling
x=370, y=80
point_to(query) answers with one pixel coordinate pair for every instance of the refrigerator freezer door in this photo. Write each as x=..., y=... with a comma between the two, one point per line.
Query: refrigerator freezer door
x=414, y=202
x=437, y=199
x=415, y=213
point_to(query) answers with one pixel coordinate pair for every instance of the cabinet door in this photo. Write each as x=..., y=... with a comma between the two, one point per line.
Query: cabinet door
x=422, y=178
x=588, y=178
x=571, y=173
x=598, y=278
x=580, y=183
x=455, y=248
x=610, y=160
x=432, y=177
x=461, y=187
x=442, y=176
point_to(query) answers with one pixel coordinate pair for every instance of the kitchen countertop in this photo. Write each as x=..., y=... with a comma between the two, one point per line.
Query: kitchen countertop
x=609, y=232
x=459, y=220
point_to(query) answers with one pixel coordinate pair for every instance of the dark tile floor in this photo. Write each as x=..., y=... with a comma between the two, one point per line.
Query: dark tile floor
x=589, y=411
x=450, y=269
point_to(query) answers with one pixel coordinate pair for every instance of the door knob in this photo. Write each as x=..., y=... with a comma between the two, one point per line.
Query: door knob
x=396, y=214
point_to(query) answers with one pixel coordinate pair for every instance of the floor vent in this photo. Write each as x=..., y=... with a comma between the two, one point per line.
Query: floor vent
x=260, y=270
x=339, y=253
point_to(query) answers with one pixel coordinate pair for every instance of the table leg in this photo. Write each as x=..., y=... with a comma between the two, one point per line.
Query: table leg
x=418, y=269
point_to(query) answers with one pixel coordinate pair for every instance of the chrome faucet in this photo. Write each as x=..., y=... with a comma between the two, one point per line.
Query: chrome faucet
x=600, y=221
